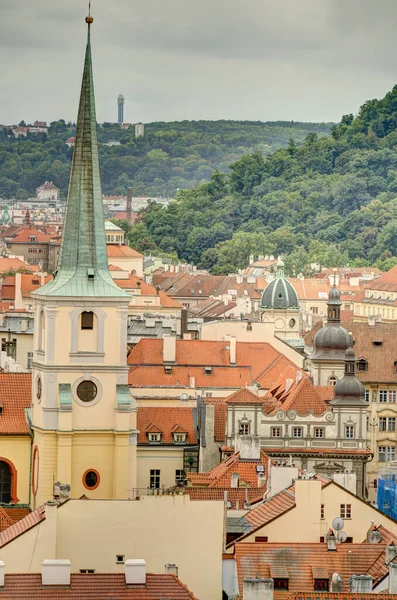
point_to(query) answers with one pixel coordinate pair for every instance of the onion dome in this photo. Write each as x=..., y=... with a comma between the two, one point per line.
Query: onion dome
x=349, y=391
x=279, y=293
x=332, y=340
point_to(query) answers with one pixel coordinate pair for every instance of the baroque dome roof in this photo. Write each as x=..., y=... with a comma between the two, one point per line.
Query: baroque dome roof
x=279, y=293
x=349, y=391
x=332, y=340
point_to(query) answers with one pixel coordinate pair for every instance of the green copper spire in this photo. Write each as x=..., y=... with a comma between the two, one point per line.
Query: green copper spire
x=83, y=265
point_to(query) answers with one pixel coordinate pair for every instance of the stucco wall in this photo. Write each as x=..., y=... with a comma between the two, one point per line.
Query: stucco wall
x=17, y=450
x=167, y=460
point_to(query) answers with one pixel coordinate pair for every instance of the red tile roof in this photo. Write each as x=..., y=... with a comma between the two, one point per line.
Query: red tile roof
x=15, y=397
x=23, y=236
x=298, y=560
x=8, y=264
x=244, y=396
x=221, y=377
x=114, y=251
x=19, y=527
x=220, y=412
x=165, y=421
x=236, y=496
x=95, y=586
x=29, y=283
x=340, y=596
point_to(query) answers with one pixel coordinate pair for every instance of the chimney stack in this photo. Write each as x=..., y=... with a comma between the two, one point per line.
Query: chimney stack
x=390, y=553
x=258, y=589
x=2, y=573
x=18, y=291
x=169, y=349
x=55, y=572
x=135, y=571
x=171, y=569
x=233, y=349
x=249, y=447
x=235, y=480
x=331, y=541
x=392, y=578
x=361, y=584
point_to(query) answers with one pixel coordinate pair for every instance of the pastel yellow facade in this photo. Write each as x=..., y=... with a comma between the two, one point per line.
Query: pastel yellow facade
x=16, y=449
x=166, y=460
x=160, y=529
x=74, y=436
x=304, y=523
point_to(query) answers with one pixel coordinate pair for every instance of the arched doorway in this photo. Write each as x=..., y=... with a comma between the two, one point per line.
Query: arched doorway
x=5, y=482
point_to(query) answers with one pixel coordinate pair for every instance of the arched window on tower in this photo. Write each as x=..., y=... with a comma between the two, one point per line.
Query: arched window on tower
x=332, y=381
x=87, y=320
x=5, y=482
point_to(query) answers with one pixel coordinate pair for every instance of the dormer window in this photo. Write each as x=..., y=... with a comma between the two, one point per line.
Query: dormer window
x=179, y=438
x=321, y=584
x=154, y=438
x=362, y=365
x=244, y=429
x=168, y=370
x=207, y=370
x=32, y=238
x=377, y=343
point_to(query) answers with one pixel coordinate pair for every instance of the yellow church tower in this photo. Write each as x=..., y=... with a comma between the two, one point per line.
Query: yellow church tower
x=83, y=417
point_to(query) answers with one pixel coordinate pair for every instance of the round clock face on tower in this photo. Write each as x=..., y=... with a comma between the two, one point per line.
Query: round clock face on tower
x=87, y=391
x=38, y=389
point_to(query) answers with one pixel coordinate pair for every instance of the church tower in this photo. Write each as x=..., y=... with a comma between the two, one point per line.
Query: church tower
x=83, y=417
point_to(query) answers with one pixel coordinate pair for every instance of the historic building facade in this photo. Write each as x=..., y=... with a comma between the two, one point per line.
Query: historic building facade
x=83, y=417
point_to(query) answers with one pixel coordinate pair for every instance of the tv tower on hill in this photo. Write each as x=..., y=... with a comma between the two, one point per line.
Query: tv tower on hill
x=120, y=105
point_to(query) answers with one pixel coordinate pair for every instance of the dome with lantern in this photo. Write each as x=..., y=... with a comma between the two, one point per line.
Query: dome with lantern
x=332, y=340
x=279, y=293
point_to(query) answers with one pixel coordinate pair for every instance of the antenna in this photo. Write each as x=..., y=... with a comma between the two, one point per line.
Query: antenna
x=338, y=523
x=341, y=536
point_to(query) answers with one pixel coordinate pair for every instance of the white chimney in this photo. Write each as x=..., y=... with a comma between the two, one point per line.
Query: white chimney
x=361, y=584
x=249, y=447
x=2, y=572
x=18, y=291
x=258, y=589
x=169, y=348
x=55, y=572
x=392, y=578
x=171, y=569
x=233, y=352
x=235, y=480
x=135, y=571
x=331, y=541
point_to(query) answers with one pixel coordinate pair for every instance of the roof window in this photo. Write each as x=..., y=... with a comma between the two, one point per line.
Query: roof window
x=377, y=343
x=207, y=370
x=168, y=370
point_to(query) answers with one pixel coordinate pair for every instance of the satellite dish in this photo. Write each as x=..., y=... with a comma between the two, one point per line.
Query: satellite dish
x=337, y=524
x=341, y=536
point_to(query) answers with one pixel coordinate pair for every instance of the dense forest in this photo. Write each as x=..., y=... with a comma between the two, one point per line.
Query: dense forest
x=329, y=200
x=169, y=157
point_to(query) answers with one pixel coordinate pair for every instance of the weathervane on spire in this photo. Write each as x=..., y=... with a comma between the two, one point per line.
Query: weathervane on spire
x=89, y=19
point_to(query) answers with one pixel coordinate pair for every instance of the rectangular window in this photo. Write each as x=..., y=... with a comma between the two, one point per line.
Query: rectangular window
x=366, y=395
x=382, y=395
x=349, y=432
x=280, y=584
x=386, y=453
x=180, y=437
x=346, y=511
x=87, y=320
x=261, y=538
x=179, y=475
x=382, y=423
x=321, y=584
x=319, y=432
x=207, y=370
x=297, y=432
x=30, y=360
x=276, y=432
x=391, y=424
x=392, y=396
x=322, y=511
x=87, y=570
x=168, y=370
x=154, y=437
x=314, y=310
x=155, y=478
x=244, y=428
x=120, y=559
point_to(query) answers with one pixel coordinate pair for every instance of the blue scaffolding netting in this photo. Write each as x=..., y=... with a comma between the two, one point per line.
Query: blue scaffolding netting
x=387, y=493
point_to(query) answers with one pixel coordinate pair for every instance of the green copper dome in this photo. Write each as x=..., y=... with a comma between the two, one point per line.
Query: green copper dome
x=279, y=293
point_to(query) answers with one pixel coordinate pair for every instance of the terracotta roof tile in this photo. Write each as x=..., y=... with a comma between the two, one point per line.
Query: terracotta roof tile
x=95, y=586
x=155, y=418
x=234, y=495
x=122, y=251
x=220, y=413
x=15, y=397
x=244, y=396
x=19, y=527
x=340, y=596
x=221, y=377
x=258, y=558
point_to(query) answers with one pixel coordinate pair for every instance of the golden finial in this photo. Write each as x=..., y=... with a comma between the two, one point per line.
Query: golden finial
x=89, y=19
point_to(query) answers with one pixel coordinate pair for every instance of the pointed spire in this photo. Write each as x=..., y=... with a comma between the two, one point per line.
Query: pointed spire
x=83, y=265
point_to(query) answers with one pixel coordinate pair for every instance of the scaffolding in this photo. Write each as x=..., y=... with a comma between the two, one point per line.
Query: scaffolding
x=387, y=490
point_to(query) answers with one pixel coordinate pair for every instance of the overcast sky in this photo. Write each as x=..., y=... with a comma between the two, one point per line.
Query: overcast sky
x=306, y=60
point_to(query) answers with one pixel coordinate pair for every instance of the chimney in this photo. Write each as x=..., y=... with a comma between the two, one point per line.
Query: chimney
x=233, y=346
x=135, y=571
x=169, y=348
x=336, y=583
x=183, y=321
x=235, y=480
x=373, y=535
x=392, y=578
x=171, y=569
x=55, y=572
x=390, y=553
x=331, y=541
x=2, y=572
x=361, y=584
x=248, y=446
x=258, y=589
x=18, y=291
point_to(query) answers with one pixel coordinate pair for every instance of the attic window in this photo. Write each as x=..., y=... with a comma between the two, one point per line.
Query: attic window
x=377, y=343
x=395, y=366
x=207, y=370
x=168, y=370
x=362, y=365
x=154, y=438
x=32, y=238
x=36, y=281
x=280, y=583
x=179, y=438
x=321, y=584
